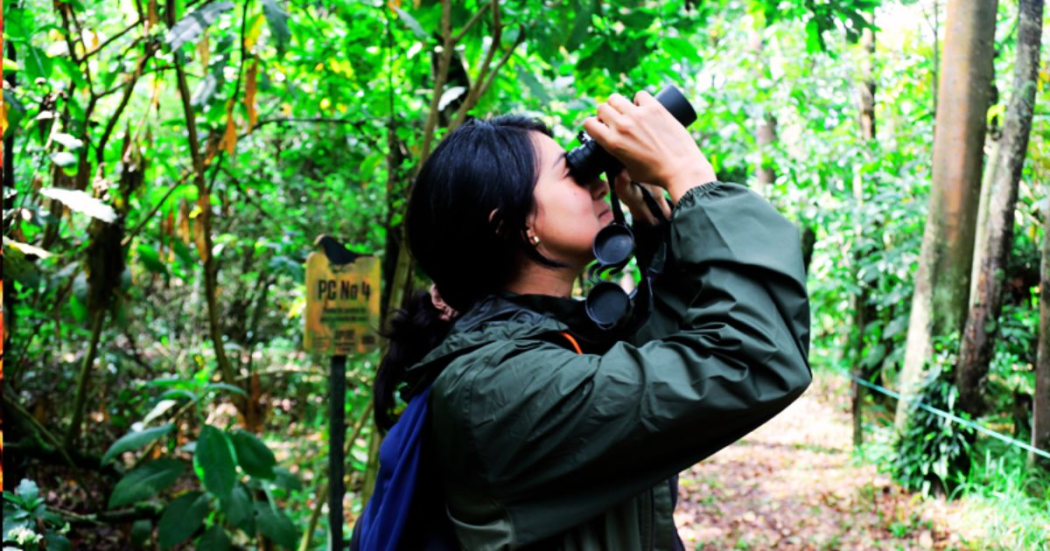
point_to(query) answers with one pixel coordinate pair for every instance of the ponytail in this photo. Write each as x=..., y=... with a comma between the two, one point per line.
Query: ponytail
x=414, y=331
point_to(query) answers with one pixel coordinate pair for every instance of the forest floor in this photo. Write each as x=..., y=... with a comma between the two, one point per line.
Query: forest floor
x=794, y=484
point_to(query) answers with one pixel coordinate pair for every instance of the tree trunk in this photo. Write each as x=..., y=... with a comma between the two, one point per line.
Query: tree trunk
x=766, y=127
x=1005, y=168
x=862, y=308
x=942, y=283
x=767, y=136
x=980, y=241
x=211, y=269
x=1041, y=400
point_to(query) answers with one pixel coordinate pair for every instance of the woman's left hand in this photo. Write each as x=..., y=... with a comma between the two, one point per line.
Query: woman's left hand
x=631, y=195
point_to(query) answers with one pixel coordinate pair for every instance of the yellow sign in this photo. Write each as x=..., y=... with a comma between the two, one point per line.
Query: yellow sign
x=342, y=305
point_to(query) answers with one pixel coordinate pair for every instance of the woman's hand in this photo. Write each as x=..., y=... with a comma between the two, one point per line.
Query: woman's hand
x=651, y=143
x=631, y=195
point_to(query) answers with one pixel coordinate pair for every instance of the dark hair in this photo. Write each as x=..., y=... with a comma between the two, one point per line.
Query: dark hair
x=484, y=166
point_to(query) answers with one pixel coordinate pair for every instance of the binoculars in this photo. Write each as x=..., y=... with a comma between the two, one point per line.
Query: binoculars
x=608, y=305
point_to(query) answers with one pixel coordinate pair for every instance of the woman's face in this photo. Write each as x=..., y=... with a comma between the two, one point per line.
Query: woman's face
x=567, y=215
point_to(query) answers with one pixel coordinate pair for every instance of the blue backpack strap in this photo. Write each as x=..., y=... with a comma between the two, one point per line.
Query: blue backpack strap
x=383, y=522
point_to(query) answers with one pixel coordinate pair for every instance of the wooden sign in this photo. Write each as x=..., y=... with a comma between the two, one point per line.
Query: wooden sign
x=342, y=305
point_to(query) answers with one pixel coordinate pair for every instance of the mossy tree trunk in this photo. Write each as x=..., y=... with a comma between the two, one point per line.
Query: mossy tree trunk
x=1005, y=173
x=942, y=283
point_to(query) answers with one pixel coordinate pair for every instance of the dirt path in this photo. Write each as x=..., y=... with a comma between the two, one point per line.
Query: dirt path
x=793, y=484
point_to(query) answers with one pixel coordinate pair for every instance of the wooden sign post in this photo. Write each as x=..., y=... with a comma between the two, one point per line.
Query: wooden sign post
x=342, y=317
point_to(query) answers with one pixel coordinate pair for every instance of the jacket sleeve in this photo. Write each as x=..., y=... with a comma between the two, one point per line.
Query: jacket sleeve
x=579, y=433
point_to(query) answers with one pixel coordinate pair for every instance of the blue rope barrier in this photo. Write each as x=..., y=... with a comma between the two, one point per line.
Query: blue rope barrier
x=951, y=417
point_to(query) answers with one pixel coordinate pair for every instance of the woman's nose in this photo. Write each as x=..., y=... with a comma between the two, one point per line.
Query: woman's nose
x=599, y=189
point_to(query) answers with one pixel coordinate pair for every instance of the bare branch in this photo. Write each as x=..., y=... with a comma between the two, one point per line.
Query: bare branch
x=501, y=63
x=439, y=80
x=466, y=28
x=138, y=228
x=110, y=40
x=475, y=91
x=100, y=150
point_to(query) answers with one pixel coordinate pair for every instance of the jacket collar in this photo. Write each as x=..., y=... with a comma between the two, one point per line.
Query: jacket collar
x=506, y=316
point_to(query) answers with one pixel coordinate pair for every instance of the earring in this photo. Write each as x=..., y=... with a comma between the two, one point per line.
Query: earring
x=535, y=240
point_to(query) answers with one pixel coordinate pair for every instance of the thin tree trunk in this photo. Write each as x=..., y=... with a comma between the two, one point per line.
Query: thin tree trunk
x=862, y=311
x=767, y=136
x=766, y=126
x=1041, y=399
x=981, y=326
x=211, y=272
x=84, y=379
x=980, y=241
x=942, y=283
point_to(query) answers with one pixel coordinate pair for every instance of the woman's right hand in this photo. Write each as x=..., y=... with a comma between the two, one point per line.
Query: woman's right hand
x=651, y=143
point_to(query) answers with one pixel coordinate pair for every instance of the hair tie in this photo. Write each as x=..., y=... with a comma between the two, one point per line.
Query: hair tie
x=447, y=312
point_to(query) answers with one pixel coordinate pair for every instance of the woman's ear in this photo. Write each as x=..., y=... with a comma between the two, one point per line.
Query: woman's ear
x=492, y=220
x=531, y=237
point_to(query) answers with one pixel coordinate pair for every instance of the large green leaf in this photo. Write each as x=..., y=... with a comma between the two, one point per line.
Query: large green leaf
x=275, y=525
x=581, y=24
x=135, y=440
x=286, y=480
x=182, y=517
x=141, y=533
x=80, y=201
x=214, y=539
x=15, y=112
x=411, y=22
x=29, y=494
x=225, y=386
x=253, y=456
x=215, y=460
x=277, y=19
x=190, y=27
x=150, y=258
x=146, y=481
x=36, y=62
x=238, y=508
x=57, y=542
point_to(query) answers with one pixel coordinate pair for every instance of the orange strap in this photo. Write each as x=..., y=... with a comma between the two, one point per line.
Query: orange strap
x=572, y=340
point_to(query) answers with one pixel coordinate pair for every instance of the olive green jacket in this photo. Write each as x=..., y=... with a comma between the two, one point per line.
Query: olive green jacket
x=540, y=446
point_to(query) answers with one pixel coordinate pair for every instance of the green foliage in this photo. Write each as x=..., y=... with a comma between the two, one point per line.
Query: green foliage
x=341, y=91
x=189, y=28
x=146, y=481
x=135, y=440
x=214, y=539
x=182, y=517
x=29, y=524
x=933, y=452
x=215, y=462
x=1013, y=497
x=253, y=456
x=275, y=525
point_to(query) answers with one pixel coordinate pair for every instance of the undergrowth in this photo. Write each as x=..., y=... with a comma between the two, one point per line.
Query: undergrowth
x=1002, y=502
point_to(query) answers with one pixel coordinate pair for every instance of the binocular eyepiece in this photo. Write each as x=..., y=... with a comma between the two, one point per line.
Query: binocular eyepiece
x=589, y=160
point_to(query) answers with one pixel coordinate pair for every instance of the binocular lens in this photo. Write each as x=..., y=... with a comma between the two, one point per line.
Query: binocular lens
x=607, y=304
x=613, y=245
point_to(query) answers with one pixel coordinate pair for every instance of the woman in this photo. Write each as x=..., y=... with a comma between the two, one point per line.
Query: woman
x=542, y=433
